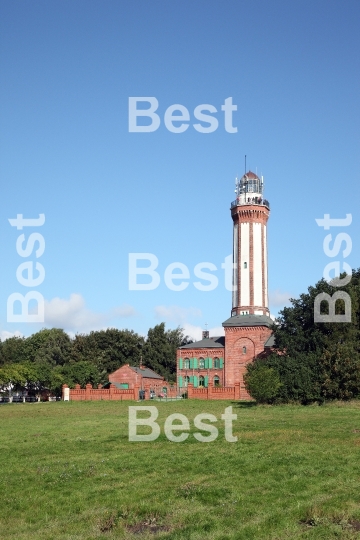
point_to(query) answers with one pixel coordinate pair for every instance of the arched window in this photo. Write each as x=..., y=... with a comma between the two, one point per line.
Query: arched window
x=186, y=363
x=245, y=265
x=244, y=350
x=186, y=380
x=201, y=381
x=216, y=381
x=216, y=363
x=201, y=363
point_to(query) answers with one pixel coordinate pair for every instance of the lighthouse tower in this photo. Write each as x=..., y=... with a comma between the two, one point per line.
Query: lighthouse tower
x=250, y=213
x=222, y=361
x=248, y=329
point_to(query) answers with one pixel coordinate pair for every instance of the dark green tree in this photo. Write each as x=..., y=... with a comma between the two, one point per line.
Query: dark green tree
x=262, y=382
x=51, y=346
x=80, y=373
x=159, y=351
x=317, y=361
x=13, y=350
x=18, y=377
x=108, y=349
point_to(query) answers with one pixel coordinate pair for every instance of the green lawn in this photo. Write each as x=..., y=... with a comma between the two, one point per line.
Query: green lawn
x=68, y=472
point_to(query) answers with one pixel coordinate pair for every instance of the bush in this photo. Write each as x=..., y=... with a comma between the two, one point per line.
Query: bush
x=262, y=382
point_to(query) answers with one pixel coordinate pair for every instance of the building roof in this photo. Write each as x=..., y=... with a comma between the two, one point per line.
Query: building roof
x=146, y=372
x=270, y=342
x=217, y=342
x=249, y=320
x=250, y=174
x=118, y=385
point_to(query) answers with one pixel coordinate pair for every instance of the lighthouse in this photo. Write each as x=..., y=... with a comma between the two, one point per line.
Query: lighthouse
x=219, y=363
x=250, y=214
x=248, y=330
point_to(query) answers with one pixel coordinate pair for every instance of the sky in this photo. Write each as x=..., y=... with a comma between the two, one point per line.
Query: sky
x=68, y=69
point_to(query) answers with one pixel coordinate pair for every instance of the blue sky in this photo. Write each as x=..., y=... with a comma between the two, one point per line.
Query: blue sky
x=68, y=69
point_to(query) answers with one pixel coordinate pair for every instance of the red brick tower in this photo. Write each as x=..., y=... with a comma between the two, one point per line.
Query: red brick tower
x=248, y=328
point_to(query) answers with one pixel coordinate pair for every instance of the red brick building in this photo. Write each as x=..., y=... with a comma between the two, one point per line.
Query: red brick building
x=144, y=378
x=126, y=383
x=221, y=361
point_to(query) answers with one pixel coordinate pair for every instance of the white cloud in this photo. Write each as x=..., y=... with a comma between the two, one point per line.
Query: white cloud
x=195, y=332
x=180, y=315
x=217, y=331
x=279, y=298
x=4, y=334
x=176, y=314
x=122, y=311
x=73, y=315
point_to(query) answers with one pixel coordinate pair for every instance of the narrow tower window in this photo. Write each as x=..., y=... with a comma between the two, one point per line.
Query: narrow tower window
x=244, y=350
x=245, y=264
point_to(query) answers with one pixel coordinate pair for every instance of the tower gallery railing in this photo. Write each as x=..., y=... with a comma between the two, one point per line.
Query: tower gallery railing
x=251, y=200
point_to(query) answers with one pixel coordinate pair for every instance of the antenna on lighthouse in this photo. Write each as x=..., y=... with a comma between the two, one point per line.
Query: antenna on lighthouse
x=245, y=163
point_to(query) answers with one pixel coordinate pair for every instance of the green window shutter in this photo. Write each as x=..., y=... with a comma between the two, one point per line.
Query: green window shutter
x=180, y=363
x=206, y=363
x=195, y=381
x=180, y=381
x=191, y=363
x=191, y=379
x=195, y=363
x=210, y=363
x=206, y=381
x=221, y=363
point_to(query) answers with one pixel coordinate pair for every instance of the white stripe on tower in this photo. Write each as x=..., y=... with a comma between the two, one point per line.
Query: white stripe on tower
x=257, y=264
x=235, y=294
x=245, y=272
x=265, y=268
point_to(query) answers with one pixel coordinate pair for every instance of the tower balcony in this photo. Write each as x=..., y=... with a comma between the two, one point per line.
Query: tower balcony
x=250, y=201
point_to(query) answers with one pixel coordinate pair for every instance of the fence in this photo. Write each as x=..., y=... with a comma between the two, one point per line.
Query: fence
x=112, y=393
x=216, y=392
x=132, y=394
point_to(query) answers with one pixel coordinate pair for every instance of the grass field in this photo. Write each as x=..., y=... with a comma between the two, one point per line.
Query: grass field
x=68, y=472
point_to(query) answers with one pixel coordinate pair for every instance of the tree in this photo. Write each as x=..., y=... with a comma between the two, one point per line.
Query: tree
x=262, y=382
x=340, y=372
x=317, y=361
x=13, y=350
x=54, y=358
x=50, y=346
x=159, y=351
x=81, y=373
x=108, y=349
x=296, y=330
x=18, y=377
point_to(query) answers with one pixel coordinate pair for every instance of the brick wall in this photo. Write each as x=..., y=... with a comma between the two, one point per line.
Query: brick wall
x=236, y=359
x=116, y=394
x=212, y=372
x=211, y=392
x=96, y=394
x=128, y=376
